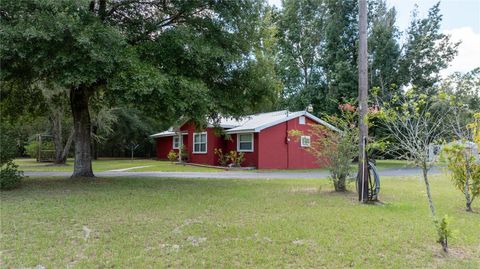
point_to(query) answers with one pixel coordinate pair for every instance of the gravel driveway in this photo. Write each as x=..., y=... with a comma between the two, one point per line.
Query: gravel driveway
x=234, y=174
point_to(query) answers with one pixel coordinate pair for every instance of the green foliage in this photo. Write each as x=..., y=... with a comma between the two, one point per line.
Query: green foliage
x=383, y=45
x=236, y=158
x=427, y=50
x=444, y=232
x=10, y=177
x=464, y=169
x=8, y=147
x=47, y=150
x=222, y=158
x=184, y=153
x=300, y=37
x=172, y=156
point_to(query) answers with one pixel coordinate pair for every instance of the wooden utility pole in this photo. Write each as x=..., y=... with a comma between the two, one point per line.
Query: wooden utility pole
x=362, y=102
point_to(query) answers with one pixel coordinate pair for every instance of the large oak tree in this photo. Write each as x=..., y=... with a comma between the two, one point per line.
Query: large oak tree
x=167, y=58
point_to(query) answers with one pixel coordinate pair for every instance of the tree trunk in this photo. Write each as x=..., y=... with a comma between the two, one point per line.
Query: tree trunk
x=362, y=180
x=94, y=143
x=56, y=122
x=79, y=98
x=467, y=183
x=66, y=149
x=429, y=194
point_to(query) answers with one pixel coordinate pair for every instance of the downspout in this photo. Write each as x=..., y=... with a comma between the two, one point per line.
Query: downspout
x=287, y=140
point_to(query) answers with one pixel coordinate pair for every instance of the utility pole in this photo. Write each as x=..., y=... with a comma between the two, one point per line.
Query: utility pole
x=362, y=180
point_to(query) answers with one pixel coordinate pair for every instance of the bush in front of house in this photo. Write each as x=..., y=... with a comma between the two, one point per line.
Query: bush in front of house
x=172, y=156
x=232, y=158
x=222, y=158
x=236, y=158
x=10, y=177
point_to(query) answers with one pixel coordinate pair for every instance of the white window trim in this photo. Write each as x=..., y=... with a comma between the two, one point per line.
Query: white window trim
x=238, y=143
x=180, y=143
x=206, y=143
x=305, y=145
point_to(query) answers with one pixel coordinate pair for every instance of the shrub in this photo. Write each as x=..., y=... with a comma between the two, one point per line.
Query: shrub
x=464, y=170
x=222, y=158
x=236, y=158
x=172, y=156
x=47, y=153
x=444, y=232
x=10, y=177
x=184, y=154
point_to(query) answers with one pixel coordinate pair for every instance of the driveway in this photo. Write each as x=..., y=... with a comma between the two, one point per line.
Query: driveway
x=235, y=174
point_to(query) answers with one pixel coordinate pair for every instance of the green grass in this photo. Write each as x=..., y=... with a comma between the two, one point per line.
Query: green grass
x=151, y=223
x=380, y=164
x=107, y=164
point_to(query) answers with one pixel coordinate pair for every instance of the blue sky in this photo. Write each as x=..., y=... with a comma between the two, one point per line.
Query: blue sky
x=461, y=20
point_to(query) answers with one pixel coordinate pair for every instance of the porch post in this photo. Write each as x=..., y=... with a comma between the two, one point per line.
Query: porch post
x=180, y=145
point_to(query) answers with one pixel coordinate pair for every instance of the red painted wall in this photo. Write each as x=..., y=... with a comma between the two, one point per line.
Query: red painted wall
x=275, y=152
x=251, y=158
x=213, y=141
x=165, y=144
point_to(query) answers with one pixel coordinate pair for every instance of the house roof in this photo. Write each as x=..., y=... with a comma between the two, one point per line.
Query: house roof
x=169, y=132
x=258, y=122
x=255, y=123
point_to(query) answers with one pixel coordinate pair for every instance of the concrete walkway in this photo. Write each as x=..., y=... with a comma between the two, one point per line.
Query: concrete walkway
x=235, y=174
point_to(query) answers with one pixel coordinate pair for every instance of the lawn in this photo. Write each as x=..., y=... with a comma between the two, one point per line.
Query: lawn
x=107, y=164
x=150, y=223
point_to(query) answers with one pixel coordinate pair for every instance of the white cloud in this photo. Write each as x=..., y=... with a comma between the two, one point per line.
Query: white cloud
x=468, y=56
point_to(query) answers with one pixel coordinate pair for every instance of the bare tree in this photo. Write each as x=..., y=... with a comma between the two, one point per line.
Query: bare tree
x=415, y=122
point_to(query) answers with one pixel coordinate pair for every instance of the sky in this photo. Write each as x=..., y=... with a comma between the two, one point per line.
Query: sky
x=461, y=20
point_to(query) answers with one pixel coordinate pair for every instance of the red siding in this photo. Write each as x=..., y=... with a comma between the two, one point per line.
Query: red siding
x=251, y=158
x=165, y=144
x=213, y=141
x=276, y=152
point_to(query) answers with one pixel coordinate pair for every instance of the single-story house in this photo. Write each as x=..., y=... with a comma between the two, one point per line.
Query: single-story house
x=263, y=138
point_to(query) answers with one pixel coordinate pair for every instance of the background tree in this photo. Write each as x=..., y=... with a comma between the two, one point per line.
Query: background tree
x=301, y=34
x=339, y=59
x=383, y=48
x=427, y=51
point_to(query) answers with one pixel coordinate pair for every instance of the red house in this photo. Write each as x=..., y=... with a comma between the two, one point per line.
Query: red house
x=262, y=137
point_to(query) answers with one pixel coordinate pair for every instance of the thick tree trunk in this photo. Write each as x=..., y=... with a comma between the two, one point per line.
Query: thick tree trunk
x=79, y=99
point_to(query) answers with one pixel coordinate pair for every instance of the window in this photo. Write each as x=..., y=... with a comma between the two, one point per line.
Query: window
x=305, y=141
x=200, y=142
x=176, y=142
x=245, y=143
x=301, y=120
